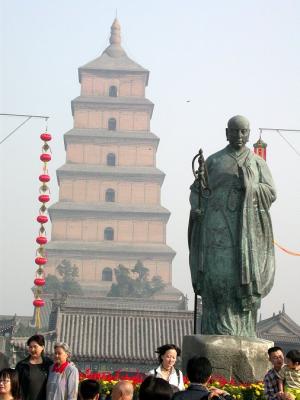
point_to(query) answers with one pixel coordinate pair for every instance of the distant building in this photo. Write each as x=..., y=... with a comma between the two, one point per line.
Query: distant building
x=281, y=329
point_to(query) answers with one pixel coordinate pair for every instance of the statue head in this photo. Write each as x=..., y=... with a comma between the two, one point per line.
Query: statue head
x=237, y=131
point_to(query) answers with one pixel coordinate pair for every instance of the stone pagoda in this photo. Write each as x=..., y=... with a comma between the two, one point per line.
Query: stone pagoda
x=109, y=210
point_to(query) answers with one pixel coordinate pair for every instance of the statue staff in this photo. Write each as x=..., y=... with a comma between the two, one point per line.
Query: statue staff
x=202, y=178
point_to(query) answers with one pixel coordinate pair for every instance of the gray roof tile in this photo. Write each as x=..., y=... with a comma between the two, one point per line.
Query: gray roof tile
x=122, y=335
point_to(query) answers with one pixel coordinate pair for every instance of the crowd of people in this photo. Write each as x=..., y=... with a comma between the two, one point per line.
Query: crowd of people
x=37, y=377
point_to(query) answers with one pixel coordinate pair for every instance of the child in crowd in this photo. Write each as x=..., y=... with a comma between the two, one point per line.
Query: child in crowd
x=290, y=375
x=89, y=389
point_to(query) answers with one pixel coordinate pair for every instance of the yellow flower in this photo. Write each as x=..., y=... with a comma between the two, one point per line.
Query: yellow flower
x=257, y=392
x=108, y=392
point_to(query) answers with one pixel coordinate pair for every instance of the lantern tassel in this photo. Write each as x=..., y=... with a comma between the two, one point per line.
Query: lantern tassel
x=38, y=318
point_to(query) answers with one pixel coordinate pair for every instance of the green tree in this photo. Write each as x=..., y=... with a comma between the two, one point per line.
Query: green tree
x=141, y=271
x=67, y=283
x=53, y=284
x=67, y=271
x=136, y=286
x=124, y=282
x=157, y=284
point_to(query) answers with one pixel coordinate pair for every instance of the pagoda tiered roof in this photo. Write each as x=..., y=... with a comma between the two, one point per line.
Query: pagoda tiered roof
x=108, y=209
x=84, y=249
x=110, y=102
x=89, y=135
x=137, y=174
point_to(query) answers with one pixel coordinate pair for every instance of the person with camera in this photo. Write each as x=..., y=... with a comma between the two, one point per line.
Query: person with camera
x=199, y=371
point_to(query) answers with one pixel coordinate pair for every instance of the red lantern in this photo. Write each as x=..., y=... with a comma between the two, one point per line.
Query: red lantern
x=41, y=240
x=39, y=281
x=46, y=136
x=45, y=157
x=42, y=219
x=38, y=303
x=41, y=260
x=44, y=178
x=44, y=198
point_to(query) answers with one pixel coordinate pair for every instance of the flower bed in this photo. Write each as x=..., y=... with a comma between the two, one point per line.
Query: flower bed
x=240, y=391
x=245, y=391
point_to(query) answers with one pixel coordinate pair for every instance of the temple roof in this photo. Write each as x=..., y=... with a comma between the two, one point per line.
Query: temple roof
x=136, y=333
x=279, y=327
x=135, y=336
x=114, y=58
x=115, y=250
x=87, y=327
x=7, y=324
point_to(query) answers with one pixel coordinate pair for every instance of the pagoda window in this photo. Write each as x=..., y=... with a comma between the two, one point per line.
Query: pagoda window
x=112, y=124
x=111, y=159
x=110, y=195
x=113, y=91
x=107, y=275
x=108, y=234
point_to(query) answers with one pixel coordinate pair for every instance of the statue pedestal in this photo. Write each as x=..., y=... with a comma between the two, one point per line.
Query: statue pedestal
x=240, y=358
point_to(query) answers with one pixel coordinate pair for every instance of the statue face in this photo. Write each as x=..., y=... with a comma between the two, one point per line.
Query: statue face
x=237, y=133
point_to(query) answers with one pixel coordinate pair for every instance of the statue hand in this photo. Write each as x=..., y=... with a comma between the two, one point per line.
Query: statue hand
x=196, y=214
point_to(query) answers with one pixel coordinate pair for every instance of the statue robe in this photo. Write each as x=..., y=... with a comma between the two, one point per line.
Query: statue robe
x=231, y=245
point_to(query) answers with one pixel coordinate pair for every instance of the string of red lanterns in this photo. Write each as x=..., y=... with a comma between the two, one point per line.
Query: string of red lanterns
x=42, y=219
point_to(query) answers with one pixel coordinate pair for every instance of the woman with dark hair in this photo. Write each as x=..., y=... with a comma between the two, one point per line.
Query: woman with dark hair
x=33, y=370
x=9, y=384
x=155, y=389
x=167, y=357
x=64, y=376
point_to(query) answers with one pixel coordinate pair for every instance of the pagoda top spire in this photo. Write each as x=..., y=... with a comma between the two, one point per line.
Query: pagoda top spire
x=115, y=49
x=114, y=57
x=115, y=33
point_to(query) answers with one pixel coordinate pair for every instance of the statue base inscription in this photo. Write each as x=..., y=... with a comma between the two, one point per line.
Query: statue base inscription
x=233, y=357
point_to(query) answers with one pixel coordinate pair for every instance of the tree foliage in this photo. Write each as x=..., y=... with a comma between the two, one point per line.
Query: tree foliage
x=67, y=284
x=135, y=282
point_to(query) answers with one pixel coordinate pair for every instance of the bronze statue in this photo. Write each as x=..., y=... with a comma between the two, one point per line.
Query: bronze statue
x=230, y=235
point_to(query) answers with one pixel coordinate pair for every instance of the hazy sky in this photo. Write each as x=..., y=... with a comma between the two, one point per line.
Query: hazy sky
x=226, y=57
